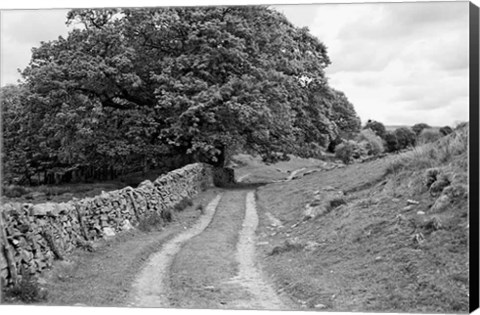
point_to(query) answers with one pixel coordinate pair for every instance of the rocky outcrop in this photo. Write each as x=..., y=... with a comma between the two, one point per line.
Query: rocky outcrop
x=33, y=236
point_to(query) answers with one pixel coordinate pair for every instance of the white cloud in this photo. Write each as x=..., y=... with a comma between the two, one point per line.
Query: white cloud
x=399, y=63
x=22, y=30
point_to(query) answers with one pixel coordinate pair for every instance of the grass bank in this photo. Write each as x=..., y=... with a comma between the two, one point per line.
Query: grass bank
x=397, y=241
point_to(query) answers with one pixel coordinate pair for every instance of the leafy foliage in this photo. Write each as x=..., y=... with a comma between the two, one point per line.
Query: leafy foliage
x=347, y=151
x=27, y=290
x=128, y=87
x=400, y=138
x=405, y=137
x=417, y=128
x=374, y=144
x=446, y=130
x=21, y=149
x=377, y=127
x=391, y=142
x=344, y=115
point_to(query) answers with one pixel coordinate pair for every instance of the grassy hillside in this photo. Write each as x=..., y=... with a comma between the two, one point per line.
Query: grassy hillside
x=389, y=235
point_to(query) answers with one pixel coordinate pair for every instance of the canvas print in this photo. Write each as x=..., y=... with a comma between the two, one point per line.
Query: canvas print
x=264, y=157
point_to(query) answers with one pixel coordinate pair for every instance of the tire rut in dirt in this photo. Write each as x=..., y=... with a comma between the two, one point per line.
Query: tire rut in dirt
x=250, y=277
x=201, y=271
x=151, y=286
x=218, y=269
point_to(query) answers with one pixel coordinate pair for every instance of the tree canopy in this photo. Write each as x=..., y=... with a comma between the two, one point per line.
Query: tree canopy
x=417, y=128
x=377, y=127
x=130, y=85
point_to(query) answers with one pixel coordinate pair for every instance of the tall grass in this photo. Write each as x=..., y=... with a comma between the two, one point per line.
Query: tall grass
x=433, y=154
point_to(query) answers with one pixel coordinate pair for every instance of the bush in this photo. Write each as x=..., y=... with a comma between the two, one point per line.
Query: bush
x=417, y=128
x=445, y=131
x=286, y=247
x=185, y=202
x=154, y=220
x=26, y=290
x=333, y=144
x=391, y=142
x=348, y=150
x=405, y=137
x=374, y=143
x=428, y=136
x=336, y=202
x=377, y=127
x=13, y=191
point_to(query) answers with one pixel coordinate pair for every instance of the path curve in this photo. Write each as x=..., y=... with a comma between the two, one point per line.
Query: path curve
x=149, y=290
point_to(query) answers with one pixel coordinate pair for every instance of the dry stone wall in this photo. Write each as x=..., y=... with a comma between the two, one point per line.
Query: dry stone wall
x=33, y=236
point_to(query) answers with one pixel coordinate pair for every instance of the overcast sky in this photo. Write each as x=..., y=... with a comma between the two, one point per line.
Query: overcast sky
x=398, y=63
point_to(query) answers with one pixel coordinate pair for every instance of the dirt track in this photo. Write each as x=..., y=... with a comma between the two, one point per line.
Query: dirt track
x=212, y=264
x=149, y=289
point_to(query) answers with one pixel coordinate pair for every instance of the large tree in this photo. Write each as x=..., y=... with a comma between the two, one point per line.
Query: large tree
x=131, y=85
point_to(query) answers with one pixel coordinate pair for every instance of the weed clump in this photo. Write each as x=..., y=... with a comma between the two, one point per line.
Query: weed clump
x=436, y=180
x=431, y=176
x=286, y=247
x=336, y=202
x=154, y=220
x=14, y=191
x=27, y=290
x=457, y=191
x=184, y=203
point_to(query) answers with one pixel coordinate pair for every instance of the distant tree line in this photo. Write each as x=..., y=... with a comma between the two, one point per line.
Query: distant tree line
x=375, y=139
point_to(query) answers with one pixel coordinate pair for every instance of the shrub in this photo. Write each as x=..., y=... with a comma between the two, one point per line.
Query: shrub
x=445, y=131
x=417, y=128
x=26, y=290
x=14, y=191
x=333, y=144
x=154, y=220
x=431, y=175
x=443, y=180
x=286, y=247
x=405, y=137
x=374, y=142
x=377, y=127
x=429, y=135
x=391, y=142
x=185, y=202
x=336, y=202
x=344, y=152
x=349, y=150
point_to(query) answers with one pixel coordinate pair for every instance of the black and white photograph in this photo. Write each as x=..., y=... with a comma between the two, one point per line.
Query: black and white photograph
x=259, y=156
